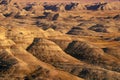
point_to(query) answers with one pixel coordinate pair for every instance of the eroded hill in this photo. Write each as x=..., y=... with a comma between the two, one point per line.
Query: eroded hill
x=59, y=41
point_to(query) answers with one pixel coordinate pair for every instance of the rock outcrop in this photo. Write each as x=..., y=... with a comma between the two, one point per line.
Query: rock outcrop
x=23, y=36
x=92, y=54
x=117, y=17
x=59, y=40
x=16, y=63
x=49, y=52
x=112, y=6
x=99, y=28
x=5, y=2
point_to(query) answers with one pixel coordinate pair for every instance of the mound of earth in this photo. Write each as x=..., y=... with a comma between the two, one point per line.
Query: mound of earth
x=59, y=40
x=98, y=28
x=49, y=52
x=16, y=63
x=117, y=17
x=86, y=52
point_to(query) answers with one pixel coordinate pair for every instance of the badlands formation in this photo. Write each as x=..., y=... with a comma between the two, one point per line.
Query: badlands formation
x=64, y=40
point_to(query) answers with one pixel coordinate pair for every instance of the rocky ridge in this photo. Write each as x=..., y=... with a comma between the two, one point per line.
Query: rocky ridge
x=65, y=41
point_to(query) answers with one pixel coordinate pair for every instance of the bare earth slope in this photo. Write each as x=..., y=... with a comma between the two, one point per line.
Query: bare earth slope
x=59, y=40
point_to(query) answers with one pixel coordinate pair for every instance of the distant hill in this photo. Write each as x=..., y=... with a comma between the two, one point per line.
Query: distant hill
x=81, y=1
